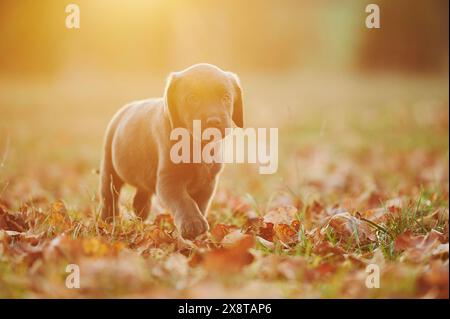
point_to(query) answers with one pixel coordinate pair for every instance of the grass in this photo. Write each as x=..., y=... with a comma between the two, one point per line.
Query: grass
x=365, y=166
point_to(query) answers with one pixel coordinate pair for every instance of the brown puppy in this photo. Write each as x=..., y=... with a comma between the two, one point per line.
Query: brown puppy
x=137, y=147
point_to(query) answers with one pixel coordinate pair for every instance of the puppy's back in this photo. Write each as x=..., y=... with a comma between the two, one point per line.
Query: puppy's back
x=133, y=135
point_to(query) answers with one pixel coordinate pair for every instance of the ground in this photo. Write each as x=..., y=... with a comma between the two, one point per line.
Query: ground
x=362, y=180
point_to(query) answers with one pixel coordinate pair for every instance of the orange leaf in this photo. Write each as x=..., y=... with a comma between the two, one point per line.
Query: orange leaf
x=407, y=240
x=232, y=258
x=12, y=222
x=267, y=232
x=347, y=226
x=285, y=233
x=219, y=231
x=159, y=236
x=281, y=215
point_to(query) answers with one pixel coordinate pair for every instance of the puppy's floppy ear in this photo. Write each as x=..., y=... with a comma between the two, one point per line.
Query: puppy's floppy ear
x=170, y=103
x=238, y=113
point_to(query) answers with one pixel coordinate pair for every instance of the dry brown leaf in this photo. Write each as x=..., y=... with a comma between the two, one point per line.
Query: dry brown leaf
x=326, y=247
x=231, y=258
x=281, y=215
x=13, y=222
x=58, y=216
x=286, y=233
x=219, y=231
x=348, y=227
x=417, y=248
x=407, y=240
x=160, y=237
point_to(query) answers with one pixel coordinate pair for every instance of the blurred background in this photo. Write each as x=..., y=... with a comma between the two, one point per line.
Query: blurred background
x=158, y=36
x=311, y=68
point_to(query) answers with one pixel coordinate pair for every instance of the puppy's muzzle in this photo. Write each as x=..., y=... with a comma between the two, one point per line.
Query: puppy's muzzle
x=213, y=121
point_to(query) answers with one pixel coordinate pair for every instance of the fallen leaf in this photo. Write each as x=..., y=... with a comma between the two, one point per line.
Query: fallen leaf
x=10, y=221
x=285, y=233
x=417, y=248
x=407, y=240
x=281, y=215
x=348, y=227
x=230, y=258
x=219, y=231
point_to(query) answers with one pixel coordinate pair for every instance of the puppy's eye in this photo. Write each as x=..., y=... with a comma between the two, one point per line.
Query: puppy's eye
x=226, y=99
x=193, y=100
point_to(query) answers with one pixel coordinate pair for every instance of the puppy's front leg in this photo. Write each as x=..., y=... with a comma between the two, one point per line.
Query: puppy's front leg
x=187, y=215
x=204, y=196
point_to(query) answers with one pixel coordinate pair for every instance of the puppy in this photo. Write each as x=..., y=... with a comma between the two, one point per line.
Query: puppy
x=137, y=147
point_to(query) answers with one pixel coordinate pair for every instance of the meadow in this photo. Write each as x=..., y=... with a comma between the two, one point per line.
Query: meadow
x=362, y=180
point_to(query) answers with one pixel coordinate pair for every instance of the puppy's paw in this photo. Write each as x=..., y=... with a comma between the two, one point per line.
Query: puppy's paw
x=192, y=226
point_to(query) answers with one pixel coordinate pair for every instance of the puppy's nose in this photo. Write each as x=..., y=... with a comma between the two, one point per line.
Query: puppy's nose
x=213, y=121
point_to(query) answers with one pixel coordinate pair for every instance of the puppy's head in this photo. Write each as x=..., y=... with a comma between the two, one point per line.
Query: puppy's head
x=206, y=93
